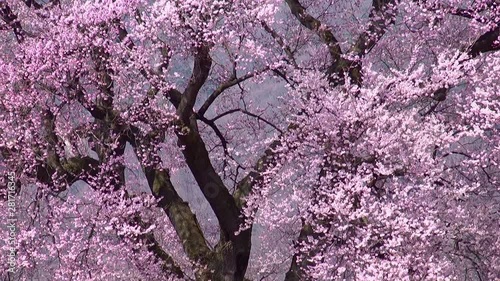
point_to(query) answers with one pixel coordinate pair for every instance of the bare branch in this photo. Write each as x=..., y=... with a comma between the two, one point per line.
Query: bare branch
x=224, y=86
x=249, y=114
x=202, y=65
x=487, y=42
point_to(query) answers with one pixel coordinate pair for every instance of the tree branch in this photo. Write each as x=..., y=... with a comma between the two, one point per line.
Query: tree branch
x=217, y=195
x=281, y=42
x=487, y=42
x=338, y=65
x=202, y=65
x=381, y=16
x=181, y=217
x=70, y=170
x=249, y=114
x=244, y=187
x=11, y=20
x=224, y=86
x=299, y=263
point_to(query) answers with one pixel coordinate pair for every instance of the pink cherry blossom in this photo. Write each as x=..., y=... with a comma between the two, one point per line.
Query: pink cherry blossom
x=250, y=140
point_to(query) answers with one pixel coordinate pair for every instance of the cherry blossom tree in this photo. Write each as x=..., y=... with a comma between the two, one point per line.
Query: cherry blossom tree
x=250, y=139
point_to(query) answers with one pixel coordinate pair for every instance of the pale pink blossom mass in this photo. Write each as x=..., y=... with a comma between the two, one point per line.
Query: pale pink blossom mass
x=237, y=140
